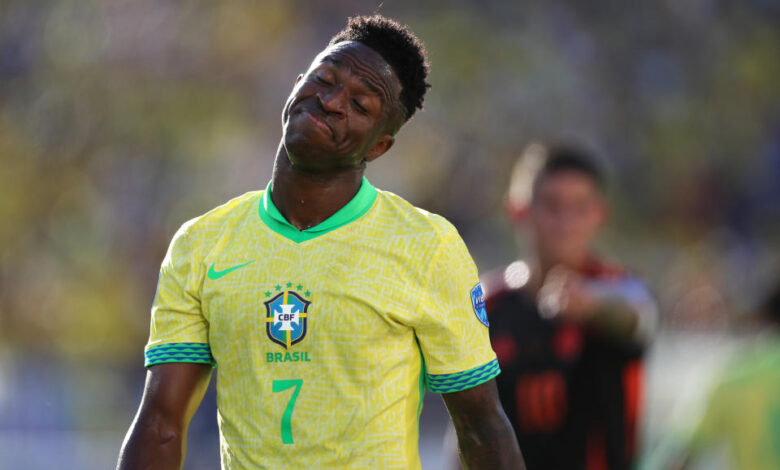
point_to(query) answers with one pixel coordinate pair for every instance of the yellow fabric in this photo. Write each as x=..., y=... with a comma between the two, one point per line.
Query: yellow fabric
x=383, y=289
x=743, y=413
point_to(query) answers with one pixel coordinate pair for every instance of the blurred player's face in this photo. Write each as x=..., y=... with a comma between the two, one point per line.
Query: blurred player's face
x=566, y=212
x=343, y=111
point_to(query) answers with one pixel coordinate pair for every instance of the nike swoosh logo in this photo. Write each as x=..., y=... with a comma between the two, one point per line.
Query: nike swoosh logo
x=214, y=274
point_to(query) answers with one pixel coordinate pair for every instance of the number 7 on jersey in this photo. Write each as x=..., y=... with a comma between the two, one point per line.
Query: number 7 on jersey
x=280, y=386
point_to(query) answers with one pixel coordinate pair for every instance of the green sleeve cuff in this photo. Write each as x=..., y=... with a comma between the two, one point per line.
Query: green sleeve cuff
x=199, y=353
x=458, y=381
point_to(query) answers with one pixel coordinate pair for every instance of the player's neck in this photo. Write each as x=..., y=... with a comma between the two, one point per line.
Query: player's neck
x=308, y=199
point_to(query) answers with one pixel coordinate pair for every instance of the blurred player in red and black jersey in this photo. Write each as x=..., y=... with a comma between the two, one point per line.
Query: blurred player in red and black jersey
x=569, y=328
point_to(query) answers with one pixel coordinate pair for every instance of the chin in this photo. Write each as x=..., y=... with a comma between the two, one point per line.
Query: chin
x=310, y=153
x=305, y=155
x=304, y=142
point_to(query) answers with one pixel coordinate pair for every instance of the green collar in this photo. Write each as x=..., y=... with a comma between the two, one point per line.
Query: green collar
x=354, y=209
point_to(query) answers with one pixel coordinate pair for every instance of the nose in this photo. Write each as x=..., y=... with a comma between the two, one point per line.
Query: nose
x=333, y=101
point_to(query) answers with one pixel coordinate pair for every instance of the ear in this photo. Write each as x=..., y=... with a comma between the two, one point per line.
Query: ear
x=381, y=146
x=603, y=212
x=515, y=212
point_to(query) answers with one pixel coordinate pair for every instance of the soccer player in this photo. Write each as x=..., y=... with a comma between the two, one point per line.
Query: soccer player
x=568, y=328
x=741, y=421
x=325, y=305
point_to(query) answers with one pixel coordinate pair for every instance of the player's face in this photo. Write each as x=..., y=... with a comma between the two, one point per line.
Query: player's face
x=343, y=111
x=566, y=212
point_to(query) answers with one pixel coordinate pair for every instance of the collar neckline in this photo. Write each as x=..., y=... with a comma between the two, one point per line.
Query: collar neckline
x=354, y=209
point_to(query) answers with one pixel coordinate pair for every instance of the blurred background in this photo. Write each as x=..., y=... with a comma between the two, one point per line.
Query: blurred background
x=120, y=120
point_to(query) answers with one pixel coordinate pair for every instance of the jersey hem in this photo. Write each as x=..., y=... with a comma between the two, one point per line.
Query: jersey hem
x=198, y=353
x=459, y=381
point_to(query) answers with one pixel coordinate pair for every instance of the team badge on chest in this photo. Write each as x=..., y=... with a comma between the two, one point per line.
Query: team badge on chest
x=286, y=318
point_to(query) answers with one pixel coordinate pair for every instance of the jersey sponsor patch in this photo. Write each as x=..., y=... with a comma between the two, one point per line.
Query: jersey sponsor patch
x=478, y=302
x=286, y=318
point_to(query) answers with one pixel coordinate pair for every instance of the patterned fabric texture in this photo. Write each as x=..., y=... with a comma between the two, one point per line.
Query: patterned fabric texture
x=323, y=342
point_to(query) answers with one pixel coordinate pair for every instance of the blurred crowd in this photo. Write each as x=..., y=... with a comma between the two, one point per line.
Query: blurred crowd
x=120, y=120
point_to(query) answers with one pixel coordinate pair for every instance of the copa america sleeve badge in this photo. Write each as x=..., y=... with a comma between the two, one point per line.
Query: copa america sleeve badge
x=478, y=303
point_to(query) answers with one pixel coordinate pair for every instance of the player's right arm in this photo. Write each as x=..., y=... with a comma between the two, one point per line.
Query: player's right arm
x=178, y=358
x=158, y=435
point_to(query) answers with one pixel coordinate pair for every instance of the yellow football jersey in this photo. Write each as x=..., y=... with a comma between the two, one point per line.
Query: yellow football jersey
x=742, y=416
x=324, y=339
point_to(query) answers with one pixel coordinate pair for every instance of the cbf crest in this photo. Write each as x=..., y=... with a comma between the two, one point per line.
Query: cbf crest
x=286, y=318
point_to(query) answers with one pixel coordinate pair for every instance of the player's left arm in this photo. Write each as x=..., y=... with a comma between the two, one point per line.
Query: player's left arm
x=451, y=327
x=486, y=439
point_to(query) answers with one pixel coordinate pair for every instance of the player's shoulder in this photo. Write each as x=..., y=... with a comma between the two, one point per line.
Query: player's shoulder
x=751, y=366
x=606, y=270
x=612, y=273
x=410, y=218
x=221, y=217
x=504, y=281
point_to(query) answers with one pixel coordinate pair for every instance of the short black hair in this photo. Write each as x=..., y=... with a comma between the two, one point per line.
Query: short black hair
x=771, y=307
x=399, y=47
x=562, y=157
x=540, y=160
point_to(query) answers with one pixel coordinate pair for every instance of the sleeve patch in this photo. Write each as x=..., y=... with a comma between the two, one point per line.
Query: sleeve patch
x=478, y=303
x=448, y=383
x=199, y=353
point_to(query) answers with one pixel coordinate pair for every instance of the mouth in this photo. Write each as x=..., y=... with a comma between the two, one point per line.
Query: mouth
x=319, y=123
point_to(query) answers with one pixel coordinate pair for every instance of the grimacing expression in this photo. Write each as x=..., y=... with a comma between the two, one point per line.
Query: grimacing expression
x=566, y=213
x=343, y=111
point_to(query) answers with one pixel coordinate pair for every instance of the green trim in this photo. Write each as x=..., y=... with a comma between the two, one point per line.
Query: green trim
x=422, y=392
x=353, y=210
x=198, y=353
x=422, y=389
x=459, y=381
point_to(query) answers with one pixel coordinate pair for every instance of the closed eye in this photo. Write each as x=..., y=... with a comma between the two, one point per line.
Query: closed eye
x=359, y=107
x=322, y=80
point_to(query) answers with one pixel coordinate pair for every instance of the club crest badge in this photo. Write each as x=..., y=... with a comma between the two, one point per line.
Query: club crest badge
x=286, y=318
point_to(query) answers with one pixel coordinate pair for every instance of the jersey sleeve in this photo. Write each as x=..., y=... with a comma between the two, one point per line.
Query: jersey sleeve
x=635, y=293
x=179, y=331
x=452, y=329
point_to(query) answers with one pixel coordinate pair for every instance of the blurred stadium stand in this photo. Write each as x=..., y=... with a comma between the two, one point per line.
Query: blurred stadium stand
x=119, y=120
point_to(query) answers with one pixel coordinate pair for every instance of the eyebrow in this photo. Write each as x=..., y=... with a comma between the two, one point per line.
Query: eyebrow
x=373, y=88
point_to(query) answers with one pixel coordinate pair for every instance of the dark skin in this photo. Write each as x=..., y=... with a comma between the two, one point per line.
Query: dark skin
x=158, y=435
x=485, y=436
x=342, y=113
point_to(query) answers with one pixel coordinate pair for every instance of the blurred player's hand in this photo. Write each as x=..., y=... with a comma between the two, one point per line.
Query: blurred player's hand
x=565, y=294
